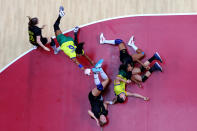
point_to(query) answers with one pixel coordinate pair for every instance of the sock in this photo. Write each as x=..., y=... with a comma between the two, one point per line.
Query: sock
x=56, y=25
x=96, y=79
x=103, y=74
x=110, y=42
x=134, y=46
x=75, y=39
x=151, y=59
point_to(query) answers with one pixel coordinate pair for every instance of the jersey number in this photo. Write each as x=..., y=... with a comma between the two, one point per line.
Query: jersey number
x=71, y=47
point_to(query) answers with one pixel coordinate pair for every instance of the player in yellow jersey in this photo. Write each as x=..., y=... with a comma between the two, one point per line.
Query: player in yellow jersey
x=69, y=46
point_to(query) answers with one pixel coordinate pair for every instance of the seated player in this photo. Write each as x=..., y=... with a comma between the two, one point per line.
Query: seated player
x=70, y=47
x=36, y=38
x=98, y=106
x=128, y=61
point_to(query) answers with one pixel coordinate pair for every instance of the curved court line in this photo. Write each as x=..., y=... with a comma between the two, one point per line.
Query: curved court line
x=94, y=22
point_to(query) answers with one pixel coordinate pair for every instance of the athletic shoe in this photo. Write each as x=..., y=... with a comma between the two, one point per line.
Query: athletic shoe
x=61, y=11
x=56, y=51
x=102, y=38
x=99, y=63
x=76, y=29
x=96, y=70
x=35, y=47
x=157, y=57
x=131, y=41
x=157, y=66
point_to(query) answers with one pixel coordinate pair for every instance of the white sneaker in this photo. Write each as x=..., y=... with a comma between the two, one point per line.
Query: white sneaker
x=131, y=41
x=61, y=11
x=76, y=29
x=57, y=50
x=102, y=38
x=35, y=47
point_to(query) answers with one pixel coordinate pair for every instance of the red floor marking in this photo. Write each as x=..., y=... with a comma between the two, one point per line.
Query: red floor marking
x=46, y=92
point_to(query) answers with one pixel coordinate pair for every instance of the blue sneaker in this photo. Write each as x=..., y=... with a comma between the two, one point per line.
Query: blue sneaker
x=61, y=8
x=61, y=11
x=99, y=63
x=96, y=70
x=157, y=66
x=157, y=57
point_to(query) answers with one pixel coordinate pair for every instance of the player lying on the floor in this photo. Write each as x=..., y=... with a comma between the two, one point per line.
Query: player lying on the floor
x=70, y=47
x=98, y=106
x=128, y=62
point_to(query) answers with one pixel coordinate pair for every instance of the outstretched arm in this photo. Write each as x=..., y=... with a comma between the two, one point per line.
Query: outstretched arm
x=92, y=115
x=77, y=62
x=138, y=96
x=40, y=43
x=88, y=58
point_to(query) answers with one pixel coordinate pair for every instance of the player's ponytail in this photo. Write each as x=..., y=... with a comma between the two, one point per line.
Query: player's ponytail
x=32, y=21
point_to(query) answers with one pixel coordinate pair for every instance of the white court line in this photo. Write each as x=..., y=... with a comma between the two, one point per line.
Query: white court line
x=94, y=22
x=16, y=60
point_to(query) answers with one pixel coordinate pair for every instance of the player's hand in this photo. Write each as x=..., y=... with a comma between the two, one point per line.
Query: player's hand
x=43, y=26
x=139, y=85
x=146, y=98
x=128, y=81
x=97, y=122
x=46, y=48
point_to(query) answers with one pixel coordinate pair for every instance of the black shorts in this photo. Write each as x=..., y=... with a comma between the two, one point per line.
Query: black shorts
x=97, y=106
x=125, y=58
x=43, y=40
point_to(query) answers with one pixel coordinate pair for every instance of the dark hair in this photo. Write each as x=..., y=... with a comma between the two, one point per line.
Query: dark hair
x=79, y=49
x=124, y=68
x=120, y=100
x=101, y=123
x=32, y=21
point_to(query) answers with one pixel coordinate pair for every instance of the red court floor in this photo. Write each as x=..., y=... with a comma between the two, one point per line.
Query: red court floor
x=47, y=92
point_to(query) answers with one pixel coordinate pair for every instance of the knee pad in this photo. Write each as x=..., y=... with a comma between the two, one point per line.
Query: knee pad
x=144, y=78
x=118, y=41
x=52, y=42
x=100, y=87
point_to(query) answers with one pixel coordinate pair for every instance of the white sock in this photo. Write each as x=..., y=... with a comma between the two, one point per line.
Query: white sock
x=103, y=74
x=134, y=46
x=109, y=42
x=96, y=79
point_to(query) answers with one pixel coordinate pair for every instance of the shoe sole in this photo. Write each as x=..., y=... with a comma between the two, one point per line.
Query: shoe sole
x=159, y=56
x=159, y=66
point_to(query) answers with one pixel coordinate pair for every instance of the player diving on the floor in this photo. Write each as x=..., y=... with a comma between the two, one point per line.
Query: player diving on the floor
x=70, y=47
x=98, y=105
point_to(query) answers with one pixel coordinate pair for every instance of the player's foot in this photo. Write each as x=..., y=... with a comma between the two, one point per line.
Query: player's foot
x=61, y=11
x=35, y=47
x=131, y=41
x=99, y=63
x=56, y=51
x=76, y=29
x=157, y=57
x=102, y=38
x=96, y=70
x=157, y=66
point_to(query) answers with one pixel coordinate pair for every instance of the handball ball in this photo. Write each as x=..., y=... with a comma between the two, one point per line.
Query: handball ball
x=87, y=71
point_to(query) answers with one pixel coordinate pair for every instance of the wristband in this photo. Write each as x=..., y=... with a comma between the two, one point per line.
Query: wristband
x=80, y=65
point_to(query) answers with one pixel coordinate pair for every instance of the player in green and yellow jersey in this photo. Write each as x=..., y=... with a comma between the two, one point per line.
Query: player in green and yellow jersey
x=70, y=47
